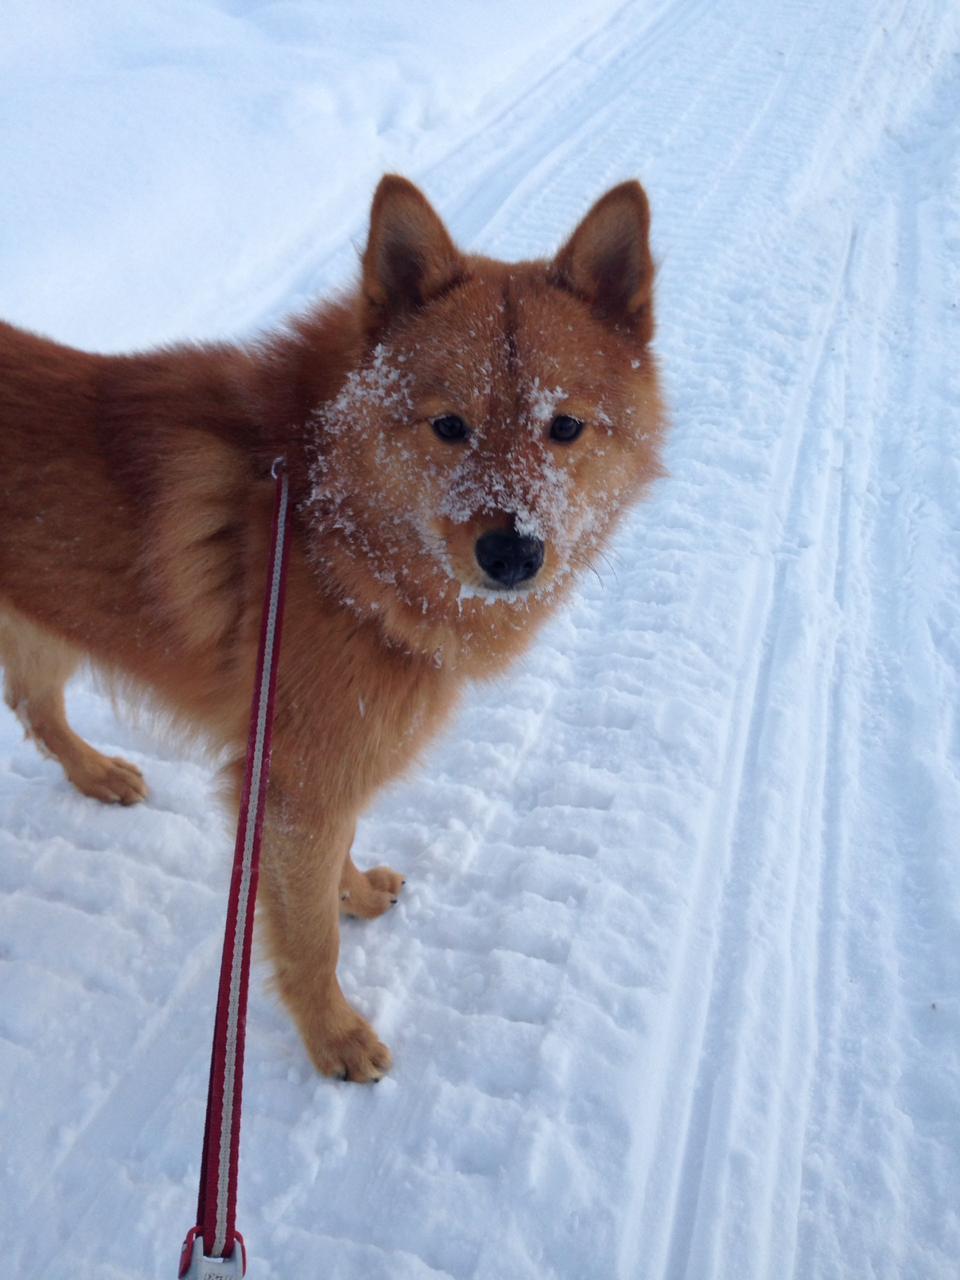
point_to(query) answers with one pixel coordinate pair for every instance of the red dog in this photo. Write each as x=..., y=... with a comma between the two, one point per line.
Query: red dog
x=461, y=435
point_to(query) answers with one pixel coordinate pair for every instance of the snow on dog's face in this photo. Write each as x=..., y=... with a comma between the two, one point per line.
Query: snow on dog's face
x=505, y=416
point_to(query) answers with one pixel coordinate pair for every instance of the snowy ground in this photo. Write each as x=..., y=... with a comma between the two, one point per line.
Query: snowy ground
x=674, y=988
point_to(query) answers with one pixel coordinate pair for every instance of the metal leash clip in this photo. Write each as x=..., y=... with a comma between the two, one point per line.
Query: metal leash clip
x=194, y=1265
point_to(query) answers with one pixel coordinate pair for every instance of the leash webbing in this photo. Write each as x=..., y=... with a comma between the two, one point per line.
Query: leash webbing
x=210, y=1248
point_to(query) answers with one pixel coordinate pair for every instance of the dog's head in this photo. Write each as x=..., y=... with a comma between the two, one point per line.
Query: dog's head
x=503, y=418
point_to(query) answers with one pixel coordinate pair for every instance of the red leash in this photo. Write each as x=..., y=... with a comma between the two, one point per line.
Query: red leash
x=210, y=1249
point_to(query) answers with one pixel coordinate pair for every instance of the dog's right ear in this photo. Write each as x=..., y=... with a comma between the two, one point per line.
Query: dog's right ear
x=409, y=257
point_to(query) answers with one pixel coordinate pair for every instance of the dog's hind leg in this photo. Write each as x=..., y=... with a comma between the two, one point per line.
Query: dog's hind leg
x=37, y=666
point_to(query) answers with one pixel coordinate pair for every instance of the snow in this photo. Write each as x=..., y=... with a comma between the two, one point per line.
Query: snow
x=674, y=985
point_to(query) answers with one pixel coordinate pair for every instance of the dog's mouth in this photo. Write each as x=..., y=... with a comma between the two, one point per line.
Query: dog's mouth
x=496, y=595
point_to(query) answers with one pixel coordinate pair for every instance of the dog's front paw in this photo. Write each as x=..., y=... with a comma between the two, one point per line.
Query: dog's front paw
x=350, y=1051
x=368, y=894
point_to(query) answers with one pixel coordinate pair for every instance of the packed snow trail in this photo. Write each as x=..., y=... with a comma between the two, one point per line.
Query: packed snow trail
x=674, y=987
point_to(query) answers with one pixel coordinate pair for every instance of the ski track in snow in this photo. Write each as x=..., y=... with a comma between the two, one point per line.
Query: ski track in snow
x=674, y=987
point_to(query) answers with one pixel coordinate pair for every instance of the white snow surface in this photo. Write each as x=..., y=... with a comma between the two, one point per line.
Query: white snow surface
x=674, y=985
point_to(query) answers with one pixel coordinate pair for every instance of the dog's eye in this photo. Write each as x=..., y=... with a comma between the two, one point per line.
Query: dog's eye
x=451, y=428
x=565, y=429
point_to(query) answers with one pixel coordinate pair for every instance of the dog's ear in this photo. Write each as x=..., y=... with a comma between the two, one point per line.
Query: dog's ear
x=409, y=257
x=607, y=260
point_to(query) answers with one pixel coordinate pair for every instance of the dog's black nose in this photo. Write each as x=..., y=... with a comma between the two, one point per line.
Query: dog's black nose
x=509, y=558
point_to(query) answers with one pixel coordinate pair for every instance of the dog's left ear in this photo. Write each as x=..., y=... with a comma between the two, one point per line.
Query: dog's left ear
x=607, y=260
x=409, y=257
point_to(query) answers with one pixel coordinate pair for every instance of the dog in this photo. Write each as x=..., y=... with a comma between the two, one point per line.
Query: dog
x=461, y=437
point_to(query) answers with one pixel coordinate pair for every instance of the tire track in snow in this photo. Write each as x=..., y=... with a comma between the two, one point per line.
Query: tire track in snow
x=831, y=1009
x=878, y=1025
x=698, y=1067
x=820, y=825
x=700, y=1209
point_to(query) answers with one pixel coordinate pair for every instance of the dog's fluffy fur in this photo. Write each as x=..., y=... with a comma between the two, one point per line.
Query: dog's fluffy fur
x=135, y=511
